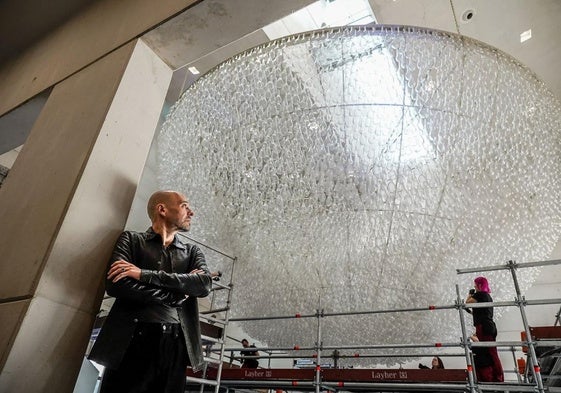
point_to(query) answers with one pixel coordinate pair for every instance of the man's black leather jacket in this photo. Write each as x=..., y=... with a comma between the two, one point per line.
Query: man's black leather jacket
x=144, y=249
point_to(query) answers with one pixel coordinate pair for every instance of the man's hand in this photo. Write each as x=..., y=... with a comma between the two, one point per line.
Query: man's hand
x=121, y=269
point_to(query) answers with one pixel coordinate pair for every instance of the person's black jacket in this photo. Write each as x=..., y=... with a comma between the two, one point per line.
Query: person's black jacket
x=155, y=286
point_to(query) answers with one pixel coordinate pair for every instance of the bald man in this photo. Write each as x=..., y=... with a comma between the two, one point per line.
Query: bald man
x=152, y=331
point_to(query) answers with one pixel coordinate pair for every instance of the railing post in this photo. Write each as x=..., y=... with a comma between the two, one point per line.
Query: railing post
x=465, y=341
x=319, y=344
x=531, y=348
x=516, y=370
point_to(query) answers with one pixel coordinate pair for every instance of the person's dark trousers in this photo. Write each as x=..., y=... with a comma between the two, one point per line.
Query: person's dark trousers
x=495, y=374
x=155, y=362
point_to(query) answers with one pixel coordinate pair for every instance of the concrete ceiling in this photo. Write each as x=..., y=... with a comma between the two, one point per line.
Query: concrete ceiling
x=22, y=23
x=215, y=30
x=498, y=23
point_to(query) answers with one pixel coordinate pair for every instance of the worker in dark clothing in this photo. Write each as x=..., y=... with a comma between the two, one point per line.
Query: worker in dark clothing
x=247, y=355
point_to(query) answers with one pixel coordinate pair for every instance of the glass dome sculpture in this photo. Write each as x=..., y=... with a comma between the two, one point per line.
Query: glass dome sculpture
x=355, y=169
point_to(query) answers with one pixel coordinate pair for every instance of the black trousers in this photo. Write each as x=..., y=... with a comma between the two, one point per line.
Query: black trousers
x=155, y=362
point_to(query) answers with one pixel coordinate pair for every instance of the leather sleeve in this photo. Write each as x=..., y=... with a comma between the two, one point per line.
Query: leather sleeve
x=139, y=292
x=195, y=285
x=133, y=290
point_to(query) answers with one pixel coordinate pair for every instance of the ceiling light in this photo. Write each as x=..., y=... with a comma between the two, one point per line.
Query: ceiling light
x=526, y=35
x=194, y=70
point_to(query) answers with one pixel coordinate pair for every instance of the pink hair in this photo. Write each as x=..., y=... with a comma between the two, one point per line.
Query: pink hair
x=483, y=284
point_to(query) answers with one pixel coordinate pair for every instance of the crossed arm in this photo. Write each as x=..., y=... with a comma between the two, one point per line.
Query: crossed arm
x=128, y=281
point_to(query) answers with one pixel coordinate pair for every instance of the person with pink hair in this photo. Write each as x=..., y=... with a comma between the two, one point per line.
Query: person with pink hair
x=488, y=367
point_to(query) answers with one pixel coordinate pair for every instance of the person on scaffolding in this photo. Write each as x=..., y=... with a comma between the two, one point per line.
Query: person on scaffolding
x=488, y=367
x=249, y=361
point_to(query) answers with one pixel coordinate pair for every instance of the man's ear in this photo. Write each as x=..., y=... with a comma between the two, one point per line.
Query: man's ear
x=161, y=209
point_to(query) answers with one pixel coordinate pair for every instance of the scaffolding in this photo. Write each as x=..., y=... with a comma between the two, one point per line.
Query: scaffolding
x=323, y=379
x=216, y=316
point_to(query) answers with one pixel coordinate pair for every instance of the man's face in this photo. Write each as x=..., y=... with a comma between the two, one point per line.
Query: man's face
x=245, y=344
x=178, y=213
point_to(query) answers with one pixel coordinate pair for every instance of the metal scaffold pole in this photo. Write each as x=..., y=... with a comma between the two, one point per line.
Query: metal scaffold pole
x=226, y=321
x=221, y=341
x=516, y=370
x=465, y=341
x=531, y=347
x=507, y=266
x=319, y=313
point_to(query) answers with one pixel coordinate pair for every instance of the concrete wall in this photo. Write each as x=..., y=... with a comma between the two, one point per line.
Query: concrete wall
x=104, y=26
x=61, y=209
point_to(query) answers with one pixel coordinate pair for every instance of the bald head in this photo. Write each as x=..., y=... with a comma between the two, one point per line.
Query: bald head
x=169, y=209
x=165, y=197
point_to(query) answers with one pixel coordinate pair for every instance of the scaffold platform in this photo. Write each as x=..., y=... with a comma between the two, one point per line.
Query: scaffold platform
x=341, y=379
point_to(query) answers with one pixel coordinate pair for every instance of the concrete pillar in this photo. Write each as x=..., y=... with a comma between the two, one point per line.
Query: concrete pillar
x=62, y=207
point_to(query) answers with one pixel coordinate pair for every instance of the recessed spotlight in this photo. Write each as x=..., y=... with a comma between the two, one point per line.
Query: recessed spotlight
x=526, y=35
x=468, y=15
x=194, y=70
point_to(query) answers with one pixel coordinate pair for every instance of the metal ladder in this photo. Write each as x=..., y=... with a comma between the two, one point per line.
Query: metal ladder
x=210, y=316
